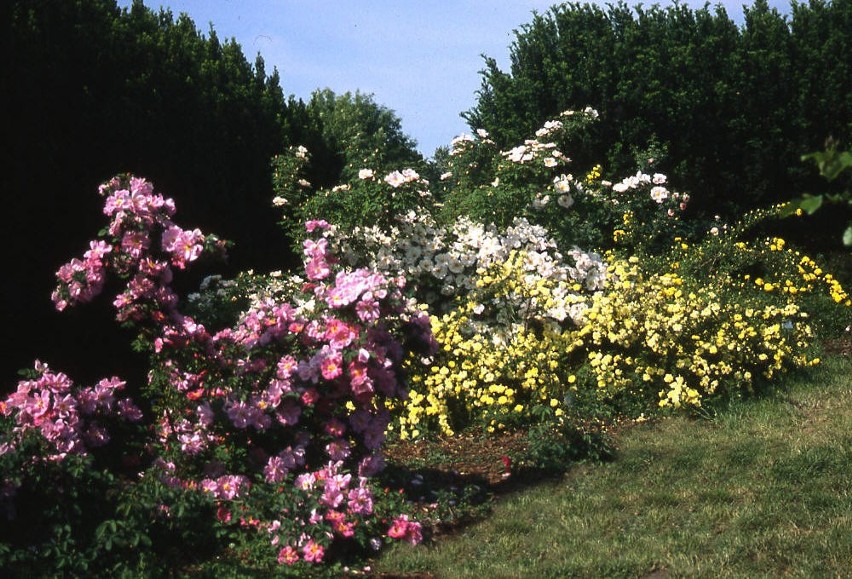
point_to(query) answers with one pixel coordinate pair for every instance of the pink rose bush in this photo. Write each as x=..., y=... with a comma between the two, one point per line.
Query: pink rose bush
x=274, y=425
x=69, y=419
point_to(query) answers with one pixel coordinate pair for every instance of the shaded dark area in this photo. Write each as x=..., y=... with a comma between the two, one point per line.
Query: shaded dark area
x=91, y=91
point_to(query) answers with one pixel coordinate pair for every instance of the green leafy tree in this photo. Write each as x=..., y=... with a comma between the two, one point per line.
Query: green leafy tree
x=90, y=89
x=359, y=133
x=731, y=106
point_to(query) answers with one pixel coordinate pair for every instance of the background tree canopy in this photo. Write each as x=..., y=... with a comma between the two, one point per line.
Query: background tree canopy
x=91, y=90
x=733, y=109
x=358, y=133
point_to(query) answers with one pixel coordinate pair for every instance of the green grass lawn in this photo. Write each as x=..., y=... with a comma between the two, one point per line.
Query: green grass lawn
x=762, y=490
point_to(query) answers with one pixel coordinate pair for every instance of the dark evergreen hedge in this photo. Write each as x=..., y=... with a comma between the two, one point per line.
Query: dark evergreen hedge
x=733, y=107
x=90, y=90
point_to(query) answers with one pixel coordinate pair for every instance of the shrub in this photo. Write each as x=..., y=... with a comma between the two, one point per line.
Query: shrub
x=534, y=181
x=370, y=198
x=651, y=336
x=262, y=435
x=498, y=362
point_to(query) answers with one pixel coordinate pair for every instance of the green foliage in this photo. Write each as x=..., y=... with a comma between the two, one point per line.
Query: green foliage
x=832, y=164
x=85, y=515
x=554, y=444
x=359, y=133
x=369, y=197
x=733, y=106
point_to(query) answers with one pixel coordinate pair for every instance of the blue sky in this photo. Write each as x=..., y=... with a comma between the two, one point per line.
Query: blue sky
x=421, y=59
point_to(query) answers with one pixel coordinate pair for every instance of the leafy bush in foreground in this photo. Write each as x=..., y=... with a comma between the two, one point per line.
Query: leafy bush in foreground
x=260, y=438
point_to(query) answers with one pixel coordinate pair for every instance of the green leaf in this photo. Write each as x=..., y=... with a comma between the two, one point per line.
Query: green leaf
x=847, y=237
x=811, y=203
x=789, y=208
x=831, y=162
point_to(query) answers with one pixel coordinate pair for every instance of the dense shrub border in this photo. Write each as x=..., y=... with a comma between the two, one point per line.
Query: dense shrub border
x=258, y=435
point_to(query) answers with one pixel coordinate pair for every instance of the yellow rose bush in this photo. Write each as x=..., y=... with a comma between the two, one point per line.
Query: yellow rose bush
x=651, y=336
x=733, y=261
x=499, y=353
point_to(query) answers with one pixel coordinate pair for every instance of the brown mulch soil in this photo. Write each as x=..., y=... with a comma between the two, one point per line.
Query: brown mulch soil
x=839, y=346
x=463, y=456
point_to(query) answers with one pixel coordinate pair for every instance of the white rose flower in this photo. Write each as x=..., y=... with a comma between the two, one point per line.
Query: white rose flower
x=565, y=201
x=517, y=155
x=562, y=184
x=659, y=194
x=439, y=270
x=395, y=179
x=455, y=265
x=553, y=125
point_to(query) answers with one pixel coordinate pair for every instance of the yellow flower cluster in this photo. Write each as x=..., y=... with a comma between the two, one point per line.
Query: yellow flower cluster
x=494, y=367
x=594, y=175
x=790, y=273
x=811, y=278
x=811, y=273
x=648, y=335
x=625, y=232
x=657, y=335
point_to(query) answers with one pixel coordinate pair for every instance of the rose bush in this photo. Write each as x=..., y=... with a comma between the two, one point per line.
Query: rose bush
x=537, y=180
x=508, y=301
x=270, y=428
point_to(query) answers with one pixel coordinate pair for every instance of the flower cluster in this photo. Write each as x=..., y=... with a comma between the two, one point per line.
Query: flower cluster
x=650, y=336
x=143, y=245
x=501, y=348
x=245, y=413
x=330, y=502
x=68, y=418
x=293, y=384
x=441, y=263
x=533, y=181
x=736, y=265
x=812, y=273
